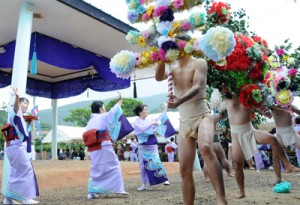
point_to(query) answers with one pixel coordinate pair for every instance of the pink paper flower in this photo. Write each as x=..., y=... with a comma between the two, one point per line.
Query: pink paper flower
x=145, y=17
x=154, y=56
x=177, y=4
x=159, y=11
x=186, y=26
x=292, y=72
x=162, y=55
x=181, y=44
x=280, y=52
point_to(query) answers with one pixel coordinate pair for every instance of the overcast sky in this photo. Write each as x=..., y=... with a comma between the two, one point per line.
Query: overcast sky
x=274, y=20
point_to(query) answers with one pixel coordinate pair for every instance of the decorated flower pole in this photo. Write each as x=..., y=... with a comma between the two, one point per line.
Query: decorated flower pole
x=170, y=82
x=167, y=39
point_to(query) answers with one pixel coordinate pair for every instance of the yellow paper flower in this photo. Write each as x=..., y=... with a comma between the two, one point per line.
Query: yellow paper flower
x=150, y=10
x=176, y=25
x=171, y=35
x=172, y=54
x=284, y=98
x=286, y=57
x=145, y=59
x=141, y=41
x=272, y=62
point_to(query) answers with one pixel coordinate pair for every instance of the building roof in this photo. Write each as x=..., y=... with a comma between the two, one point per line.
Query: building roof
x=71, y=21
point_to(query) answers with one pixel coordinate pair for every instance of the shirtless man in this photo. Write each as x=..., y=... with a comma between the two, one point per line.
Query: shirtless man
x=218, y=149
x=285, y=134
x=245, y=139
x=190, y=88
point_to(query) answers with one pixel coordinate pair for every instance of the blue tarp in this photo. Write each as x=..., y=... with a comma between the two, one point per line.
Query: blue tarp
x=63, y=55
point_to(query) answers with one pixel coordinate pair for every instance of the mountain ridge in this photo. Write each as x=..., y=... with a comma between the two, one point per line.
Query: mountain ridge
x=153, y=102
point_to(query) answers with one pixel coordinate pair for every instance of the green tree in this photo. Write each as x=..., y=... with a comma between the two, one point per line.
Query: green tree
x=3, y=120
x=1, y=139
x=80, y=115
x=128, y=105
x=3, y=113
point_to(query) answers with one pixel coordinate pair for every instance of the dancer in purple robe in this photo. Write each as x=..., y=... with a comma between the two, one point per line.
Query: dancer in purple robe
x=22, y=183
x=151, y=168
x=133, y=150
x=105, y=173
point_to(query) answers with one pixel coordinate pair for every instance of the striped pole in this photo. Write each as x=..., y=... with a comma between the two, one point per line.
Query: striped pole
x=170, y=82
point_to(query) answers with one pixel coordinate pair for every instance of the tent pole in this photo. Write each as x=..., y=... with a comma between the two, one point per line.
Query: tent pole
x=20, y=67
x=54, y=129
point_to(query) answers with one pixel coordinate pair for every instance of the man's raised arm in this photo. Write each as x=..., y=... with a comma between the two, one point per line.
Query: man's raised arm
x=160, y=73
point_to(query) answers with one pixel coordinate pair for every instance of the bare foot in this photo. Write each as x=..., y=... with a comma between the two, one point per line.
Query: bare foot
x=230, y=175
x=251, y=168
x=241, y=195
x=277, y=181
x=221, y=201
x=206, y=180
x=291, y=168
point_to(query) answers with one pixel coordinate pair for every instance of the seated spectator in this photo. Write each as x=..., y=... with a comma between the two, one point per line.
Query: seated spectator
x=62, y=155
x=81, y=154
x=74, y=153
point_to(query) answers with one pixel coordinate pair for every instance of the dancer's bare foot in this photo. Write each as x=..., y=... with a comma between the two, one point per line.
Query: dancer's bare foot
x=206, y=180
x=251, y=168
x=240, y=196
x=221, y=201
x=291, y=168
x=277, y=181
x=230, y=175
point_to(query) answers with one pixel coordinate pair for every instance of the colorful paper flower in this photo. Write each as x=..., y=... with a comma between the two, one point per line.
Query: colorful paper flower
x=132, y=16
x=280, y=52
x=220, y=12
x=284, y=98
x=123, y=64
x=251, y=96
x=172, y=54
x=132, y=37
x=217, y=43
x=292, y=72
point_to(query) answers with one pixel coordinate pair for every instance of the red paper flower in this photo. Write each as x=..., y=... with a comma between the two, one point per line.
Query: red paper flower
x=220, y=11
x=238, y=60
x=250, y=96
x=222, y=65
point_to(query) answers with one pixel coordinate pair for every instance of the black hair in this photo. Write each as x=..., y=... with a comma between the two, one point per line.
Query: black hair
x=297, y=120
x=23, y=100
x=96, y=105
x=273, y=131
x=139, y=109
x=172, y=139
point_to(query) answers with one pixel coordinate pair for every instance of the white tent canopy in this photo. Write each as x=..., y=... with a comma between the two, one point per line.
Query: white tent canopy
x=65, y=134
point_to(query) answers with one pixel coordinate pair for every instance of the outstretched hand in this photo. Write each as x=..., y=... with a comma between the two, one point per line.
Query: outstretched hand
x=16, y=91
x=119, y=97
x=173, y=101
x=165, y=107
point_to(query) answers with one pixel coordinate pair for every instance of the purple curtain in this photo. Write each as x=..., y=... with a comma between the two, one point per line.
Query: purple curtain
x=63, y=55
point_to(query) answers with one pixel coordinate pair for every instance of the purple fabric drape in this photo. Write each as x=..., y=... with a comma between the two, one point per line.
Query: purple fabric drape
x=65, y=56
